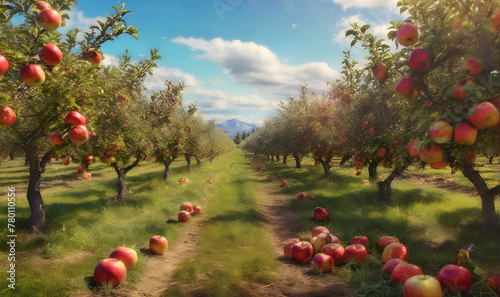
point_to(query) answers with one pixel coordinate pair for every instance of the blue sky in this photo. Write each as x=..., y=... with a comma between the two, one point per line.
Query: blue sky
x=239, y=58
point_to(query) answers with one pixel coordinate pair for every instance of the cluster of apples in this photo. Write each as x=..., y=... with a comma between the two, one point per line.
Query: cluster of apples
x=78, y=133
x=82, y=172
x=186, y=210
x=183, y=180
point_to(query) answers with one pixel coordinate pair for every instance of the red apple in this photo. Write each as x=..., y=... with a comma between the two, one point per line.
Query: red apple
x=334, y=250
x=494, y=282
x=470, y=156
x=110, y=272
x=413, y=149
x=320, y=241
x=7, y=116
x=32, y=74
x=419, y=60
x=464, y=133
x=386, y=240
x=422, y=286
x=345, y=97
x=49, y=19
x=184, y=216
x=471, y=66
x=302, y=251
x=496, y=23
x=323, y=263
x=431, y=153
x=365, y=124
x=403, y=272
x=407, y=88
x=158, y=245
x=50, y=54
x=42, y=5
x=459, y=91
x=355, y=252
x=283, y=183
x=441, y=131
x=439, y=165
x=454, y=279
x=122, y=97
x=358, y=164
x=56, y=139
x=90, y=159
x=407, y=34
x=107, y=159
x=484, y=115
x=319, y=229
x=287, y=249
x=75, y=118
x=360, y=240
x=381, y=151
x=4, y=64
x=94, y=56
x=197, y=211
x=320, y=213
x=395, y=250
x=127, y=255
x=65, y=161
x=380, y=72
x=301, y=195
x=79, y=134
x=187, y=206
x=390, y=265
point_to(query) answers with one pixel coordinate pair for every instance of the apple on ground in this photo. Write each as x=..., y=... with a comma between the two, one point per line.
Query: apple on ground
x=197, y=211
x=50, y=54
x=320, y=213
x=110, y=272
x=127, y=255
x=360, y=240
x=302, y=251
x=79, y=134
x=319, y=229
x=472, y=66
x=49, y=19
x=65, y=161
x=454, y=279
x=441, y=131
x=432, y=153
x=390, y=265
x=334, y=250
x=323, y=263
x=407, y=88
x=403, y=272
x=301, y=195
x=419, y=60
x=158, y=245
x=494, y=282
x=32, y=74
x=184, y=216
x=320, y=241
x=380, y=72
x=187, y=206
x=287, y=249
x=386, y=240
x=283, y=183
x=75, y=118
x=422, y=286
x=459, y=91
x=86, y=175
x=394, y=250
x=56, y=139
x=4, y=64
x=484, y=115
x=407, y=34
x=464, y=133
x=355, y=252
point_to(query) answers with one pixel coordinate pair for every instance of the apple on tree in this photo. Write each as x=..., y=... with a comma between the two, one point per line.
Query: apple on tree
x=431, y=153
x=50, y=54
x=471, y=66
x=49, y=19
x=75, y=118
x=7, y=116
x=56, y=139
x=464, y=133
x=407, y=34
x=413, y=149
x=79, y=134
x=380, y=72
x=460, y=90
x=127, y=255
x=94, y=56
x=484, y=115
x=4, y=64
x=441, y=131
x=42, y=5
x=32, y=75
x=419, y=60
x=110, y=272
x=122, y=97
x=407, y=88
x=158, y=245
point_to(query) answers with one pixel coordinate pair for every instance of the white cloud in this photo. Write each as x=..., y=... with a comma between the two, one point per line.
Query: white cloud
x=390, y=4
x=216, y=81
x=256, y=66
x=78, y=20
x=110, y=60
x=294, y=25
x=344, y=25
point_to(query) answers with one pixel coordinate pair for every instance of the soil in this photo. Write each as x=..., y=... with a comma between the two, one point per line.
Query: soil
x=446, y=183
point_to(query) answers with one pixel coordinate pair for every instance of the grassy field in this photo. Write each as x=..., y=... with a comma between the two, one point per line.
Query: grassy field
x=84, y=226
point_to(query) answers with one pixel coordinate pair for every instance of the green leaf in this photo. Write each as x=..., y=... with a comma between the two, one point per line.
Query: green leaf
x=364, y=28
x=350, y=32
x=353, y=42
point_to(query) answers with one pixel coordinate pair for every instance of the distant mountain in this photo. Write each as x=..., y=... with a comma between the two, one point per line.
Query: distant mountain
x=234, y=125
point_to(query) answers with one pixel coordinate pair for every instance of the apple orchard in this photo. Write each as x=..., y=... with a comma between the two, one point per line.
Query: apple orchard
x=433, y=102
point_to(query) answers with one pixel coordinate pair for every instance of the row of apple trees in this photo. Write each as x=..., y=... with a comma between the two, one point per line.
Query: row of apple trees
x=56, y=100
x=432, y=102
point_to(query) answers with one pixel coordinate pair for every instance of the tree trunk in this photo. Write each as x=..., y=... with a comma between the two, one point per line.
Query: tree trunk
x=166, y=173
x=490, y=159
x=490, y=218
x=267, y=156
x=277, y=157
x=326, y=165
x=284, y=159
x=272, y=158
x=345, y=159
x=11, y=155
x=121, y=185
x=372, y=170
x=297, y=161
x=26, y=160
x=385, y=187
x=198, y=161
x=188, y=160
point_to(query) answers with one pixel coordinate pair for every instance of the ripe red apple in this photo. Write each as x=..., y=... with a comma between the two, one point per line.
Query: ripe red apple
x=197, y=211
x=345, y=97
x=65, y=161
x=459, y=91
x=75, y=118
x=403, y=272
x=407, y=34
x=360, y=240
x=419, y=60
x=56, y=139
x=287, y=249
x=187, y=206
x=413, y=149
x=302, y=251
x=184, y=216
x=454, y=279
x=422, y=286
x=358, y=164
x=365, y=124
x=4, y=64
x=386, y=240
x=90, y=159
x=470, y=156
x=50, y=54
x=158, y=245
x=441, y=131
x=380, y=72
x=381, y=151
x=319, y=229
x=79, y=134
x=301, y=195
x=320, y=213
x=94, y=56
x=334, y=250
x=464, y=133
x=49, y=19
x=494, y=282
x=484, y=115
x=323, y=263
x=110, y=272
x=394, y=250
x=7, y=116
x=127, y=255
x=42, y=5
x=32, y=74
x=355, y=252
x=431, y=153
x=439, y=165
x=407, y=88
x=496, y=23
x=472, y=66
x=390, y=265
x=107, y=159
x=122, y=97
x=320, y=241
